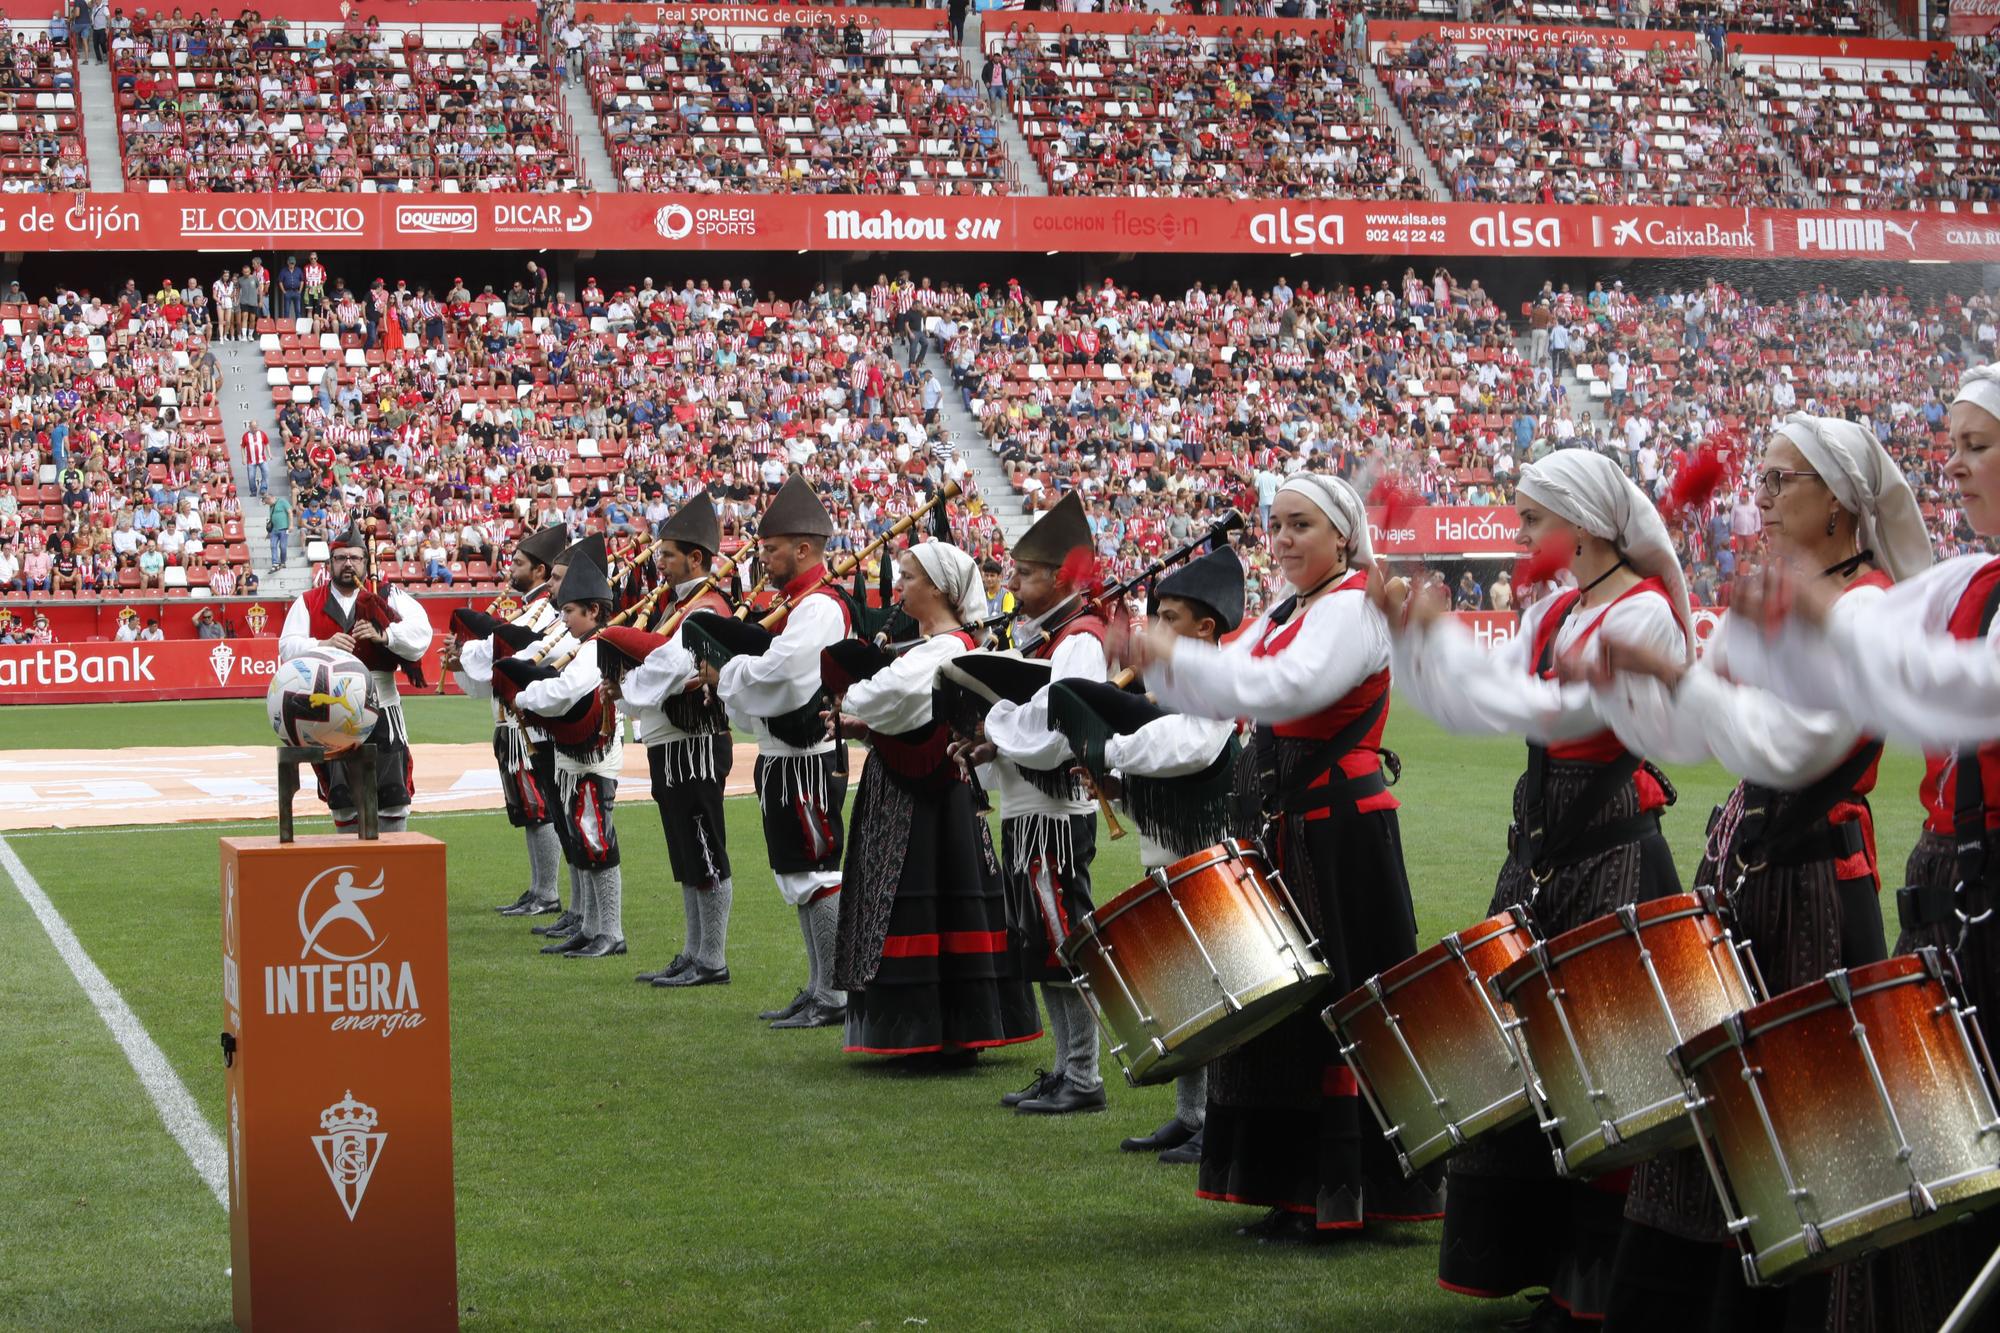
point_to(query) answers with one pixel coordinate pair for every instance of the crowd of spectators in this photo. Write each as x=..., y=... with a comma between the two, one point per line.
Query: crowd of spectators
x=822, y=110
x=116, y=478
x=255, y=104
x=41, y=129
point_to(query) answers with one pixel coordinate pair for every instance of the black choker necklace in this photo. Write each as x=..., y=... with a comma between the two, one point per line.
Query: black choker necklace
x=1845, y=569
x=1585, y=592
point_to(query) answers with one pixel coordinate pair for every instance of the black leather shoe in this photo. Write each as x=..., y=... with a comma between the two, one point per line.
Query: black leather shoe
x=680, y=964
x=514, y=908
x=1188, y=1154
x=565, y=924
x=798, y=1003
x=812, y=1014
x=695, y=975
x=1170, y=1135
x=564, y=943
x=1064, y=1100
x=597, y=946
x=1043, y=1082
x=536, y=907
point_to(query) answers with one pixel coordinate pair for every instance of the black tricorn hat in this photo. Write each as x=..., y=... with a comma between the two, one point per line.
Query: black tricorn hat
x=1055, y=534
x=795, y=512
x=1215, y=580
x=544, y=545
x=694, y=524
x=586, y=580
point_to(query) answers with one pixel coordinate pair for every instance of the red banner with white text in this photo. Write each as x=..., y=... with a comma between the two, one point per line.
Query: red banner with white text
x=1451, y=530
x=118, y=672
x=751, y=222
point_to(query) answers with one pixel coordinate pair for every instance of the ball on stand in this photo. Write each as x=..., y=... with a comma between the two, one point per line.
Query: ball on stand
x=323, y=697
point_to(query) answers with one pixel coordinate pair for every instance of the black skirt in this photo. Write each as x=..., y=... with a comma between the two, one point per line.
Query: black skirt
x=802, y=797
x=924, y=952
x=691, y=805
x=1912, y=1287
x=1045, y=868
x=1286, y=1127
x=1510, y=1222
x=529, y=802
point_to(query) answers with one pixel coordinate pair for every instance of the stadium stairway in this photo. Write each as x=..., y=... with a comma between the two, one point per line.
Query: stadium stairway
x=1413, y=151
x=973, y=446
x=594, y=156
x=245, y=400
x=1027, y=175
x=100, y=125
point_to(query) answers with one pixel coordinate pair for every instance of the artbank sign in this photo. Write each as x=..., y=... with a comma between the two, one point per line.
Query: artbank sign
x=117, y=672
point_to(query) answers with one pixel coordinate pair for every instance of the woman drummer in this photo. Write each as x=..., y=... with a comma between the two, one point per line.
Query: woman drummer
x=922, y=949
x=1285, y=1129
x=1907, y=653
x=1586, y=838
x=1792, y=850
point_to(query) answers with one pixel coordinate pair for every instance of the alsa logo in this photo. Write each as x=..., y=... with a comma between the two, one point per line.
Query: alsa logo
x=1510, y=231
x=437, y=219
x=1298, y=231
x=1853, y=235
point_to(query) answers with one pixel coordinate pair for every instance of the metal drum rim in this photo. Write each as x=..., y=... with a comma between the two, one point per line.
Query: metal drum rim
x=1719, y=1039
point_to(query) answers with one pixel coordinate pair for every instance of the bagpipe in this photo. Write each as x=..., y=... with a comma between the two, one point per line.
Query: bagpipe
x=1030, y=635
x=589, y=723
x=371, y=606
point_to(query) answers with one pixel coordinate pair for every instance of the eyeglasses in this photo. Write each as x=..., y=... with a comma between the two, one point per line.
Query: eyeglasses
x=1771, y=480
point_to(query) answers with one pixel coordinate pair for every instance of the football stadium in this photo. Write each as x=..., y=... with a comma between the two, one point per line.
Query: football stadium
x=1216, y=664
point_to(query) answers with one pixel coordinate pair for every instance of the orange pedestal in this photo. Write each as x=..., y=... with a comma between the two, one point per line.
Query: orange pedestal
x=334, y=992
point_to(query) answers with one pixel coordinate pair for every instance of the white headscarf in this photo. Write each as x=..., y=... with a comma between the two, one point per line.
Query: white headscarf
x=1981, y=388
x=1869, y=485
x=956, y=575
x=1587, y=490
x=1343, y=508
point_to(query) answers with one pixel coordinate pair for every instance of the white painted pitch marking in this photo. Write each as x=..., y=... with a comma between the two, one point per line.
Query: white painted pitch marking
x=176, y=1106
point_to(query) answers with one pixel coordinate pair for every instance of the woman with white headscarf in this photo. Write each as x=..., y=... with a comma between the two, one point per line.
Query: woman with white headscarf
x=1285, y=1129
x=923, y=946
x=1586, y=838
x=1792, y=851
x=1917, y=663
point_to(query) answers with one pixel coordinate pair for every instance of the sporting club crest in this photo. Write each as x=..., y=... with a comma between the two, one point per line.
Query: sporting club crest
x=349, y=1149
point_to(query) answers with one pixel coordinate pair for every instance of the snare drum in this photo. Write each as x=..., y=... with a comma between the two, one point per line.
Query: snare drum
x=1848, y=1114
x=1430, y=1046
x=1193, y=961
x=1598, y=1009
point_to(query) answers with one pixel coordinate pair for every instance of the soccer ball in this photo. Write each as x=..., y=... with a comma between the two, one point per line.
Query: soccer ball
x=323, y=697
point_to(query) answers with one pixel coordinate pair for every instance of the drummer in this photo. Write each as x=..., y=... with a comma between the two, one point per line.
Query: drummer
x=1792, y=849
x=1174, y=775
x=1586, y=837
x=1898, y=679
x=1285, y=1128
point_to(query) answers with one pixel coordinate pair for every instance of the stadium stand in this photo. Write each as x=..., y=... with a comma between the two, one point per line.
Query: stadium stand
x=821, y=110
x=250, y=104
x=41, y=131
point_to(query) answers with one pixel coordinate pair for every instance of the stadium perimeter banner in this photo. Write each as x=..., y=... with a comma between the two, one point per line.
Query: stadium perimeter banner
x=662, y=222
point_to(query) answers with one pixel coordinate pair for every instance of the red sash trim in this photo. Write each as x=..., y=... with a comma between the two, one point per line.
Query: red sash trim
x=1940, y=786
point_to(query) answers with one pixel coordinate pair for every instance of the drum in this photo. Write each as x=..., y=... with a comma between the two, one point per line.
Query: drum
x=1193, y=961
x=1597, y=1011
x=1848, y=1114
x=1431, y=1047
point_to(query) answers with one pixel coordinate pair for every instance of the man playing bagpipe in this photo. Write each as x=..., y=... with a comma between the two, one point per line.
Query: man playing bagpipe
x=527, y=766
x=686, y=734
x=1048, y=827
x=568, y=698
x=1173, y=773
x=770, y=684
x=389, y=632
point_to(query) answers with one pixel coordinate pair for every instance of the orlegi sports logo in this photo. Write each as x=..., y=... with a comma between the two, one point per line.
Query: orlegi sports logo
x=1511, y=231
x=437, y=219
x=677, y=222
x=1853, y=236
x=1298, y=231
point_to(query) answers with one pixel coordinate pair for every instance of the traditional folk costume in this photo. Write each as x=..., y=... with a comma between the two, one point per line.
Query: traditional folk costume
x=923, y=953
x=1048, y=826
x=801, y=773
x=1586, y=840
x=1286, y=1129
x=689, y=754
x=525, y=760
x=1177, y=777
x=588, y=735
x=1916, y=658
x=319, y=614
x=1791, y=854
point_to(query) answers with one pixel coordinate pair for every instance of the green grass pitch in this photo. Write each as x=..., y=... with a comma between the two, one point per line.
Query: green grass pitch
x=636, y=1159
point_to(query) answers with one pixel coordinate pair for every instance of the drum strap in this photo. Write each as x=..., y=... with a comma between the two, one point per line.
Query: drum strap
x=1300, y=796
x=1968, y=824
x=1762, y=840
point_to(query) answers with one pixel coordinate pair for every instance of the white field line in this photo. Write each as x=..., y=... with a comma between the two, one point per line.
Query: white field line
x=177, y=1108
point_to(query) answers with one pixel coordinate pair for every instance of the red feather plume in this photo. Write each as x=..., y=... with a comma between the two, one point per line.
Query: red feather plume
x=1548, y=559
x=1079, y=570
x=1696, y=482
x=1396, y=501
